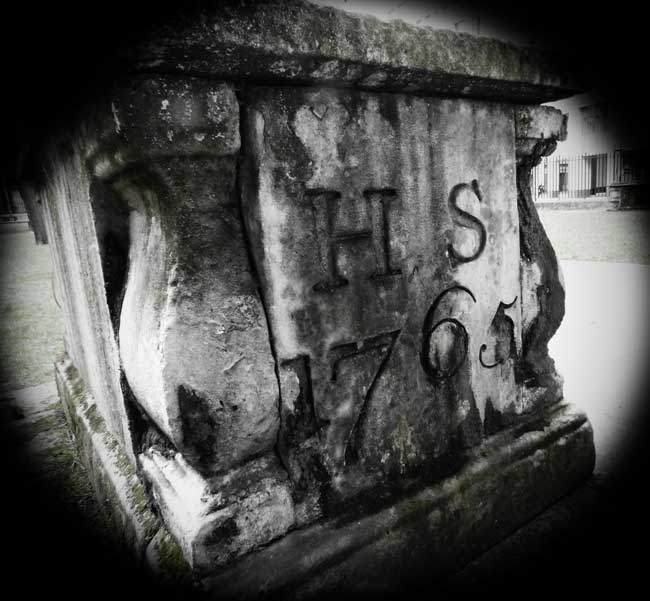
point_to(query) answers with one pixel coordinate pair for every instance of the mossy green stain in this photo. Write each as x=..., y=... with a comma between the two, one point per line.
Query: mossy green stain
x=142, y=509
x=95, y=420
x=171, y=557
x=52, y=421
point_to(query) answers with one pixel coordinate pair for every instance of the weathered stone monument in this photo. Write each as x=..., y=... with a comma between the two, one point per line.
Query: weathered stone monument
x=308, y=298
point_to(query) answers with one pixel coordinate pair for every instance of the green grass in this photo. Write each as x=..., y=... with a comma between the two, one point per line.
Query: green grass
x=31, y=325
x=599, y=234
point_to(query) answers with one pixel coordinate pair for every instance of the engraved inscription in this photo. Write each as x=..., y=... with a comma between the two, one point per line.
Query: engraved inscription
x=331, y=238
x=342, y=352
x=323, y=203
x=380, y=202
x=466, y=220
x=444, y=341
x=504, y=332
x=363, y=363
x=383, y=253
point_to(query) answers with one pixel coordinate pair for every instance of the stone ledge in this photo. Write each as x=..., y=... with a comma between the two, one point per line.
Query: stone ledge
x=118, y=489
x=213, y=528
x=505, y=482
x=297, y=42
x=540, y=122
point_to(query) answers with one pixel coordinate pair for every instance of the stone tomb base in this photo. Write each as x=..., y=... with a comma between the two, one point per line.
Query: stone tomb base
x=118, y=489
x=374, y=545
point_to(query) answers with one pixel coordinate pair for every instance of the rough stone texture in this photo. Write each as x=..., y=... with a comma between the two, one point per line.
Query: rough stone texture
x=193, y=338
x=165, y=560
x=150, y=177
x=430, y=531
x=118, y=489
x=217, y=520
x=120, y=493
x=294, y=41
x=542, y=287
x=79, y=282
x=388, y=252
x=154, y=182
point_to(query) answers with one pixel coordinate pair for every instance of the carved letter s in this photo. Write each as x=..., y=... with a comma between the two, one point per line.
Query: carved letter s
x=464, y=219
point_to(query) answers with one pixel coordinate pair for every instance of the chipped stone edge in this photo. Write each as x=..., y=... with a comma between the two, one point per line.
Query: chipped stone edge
x=296, y=41
x=456, y=519
x=121, y=494
x=197, y=516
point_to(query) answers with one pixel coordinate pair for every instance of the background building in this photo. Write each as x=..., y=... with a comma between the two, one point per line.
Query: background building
x=605, y=153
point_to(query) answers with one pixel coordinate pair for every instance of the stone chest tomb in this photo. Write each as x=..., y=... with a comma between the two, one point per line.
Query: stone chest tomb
x=307, y=297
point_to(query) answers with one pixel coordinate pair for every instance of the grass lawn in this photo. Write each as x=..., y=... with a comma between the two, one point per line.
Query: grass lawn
x=31, y=326
x=599, y=234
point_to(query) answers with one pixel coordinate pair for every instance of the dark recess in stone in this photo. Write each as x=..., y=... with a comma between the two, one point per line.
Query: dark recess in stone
x=145, y=432
x=223, y=532
x=112, y=224
x=200, y=431
x=115, y=257
x=494, y=419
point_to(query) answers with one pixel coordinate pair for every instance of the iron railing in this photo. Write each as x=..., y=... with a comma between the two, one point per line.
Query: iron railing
x=579, y=176
x=587, y=175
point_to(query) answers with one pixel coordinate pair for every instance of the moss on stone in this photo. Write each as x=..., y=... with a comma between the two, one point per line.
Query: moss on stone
x=46, y=423
x=134, y=524
x=171, y=558
x=76, y=391
x=123, y=464
x=142, y=509
x=137, y=495
x=111, y=442
x=95, y=420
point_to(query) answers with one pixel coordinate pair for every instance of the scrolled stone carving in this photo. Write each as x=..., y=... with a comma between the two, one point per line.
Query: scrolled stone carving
x=192, y=332
x=538, y=130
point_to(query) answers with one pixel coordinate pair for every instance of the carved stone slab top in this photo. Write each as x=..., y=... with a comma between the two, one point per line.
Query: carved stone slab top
x=161, y=117
x=538, y=126
x=294, y=41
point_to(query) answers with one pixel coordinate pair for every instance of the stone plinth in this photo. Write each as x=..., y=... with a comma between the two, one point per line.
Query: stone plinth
x=307, y=292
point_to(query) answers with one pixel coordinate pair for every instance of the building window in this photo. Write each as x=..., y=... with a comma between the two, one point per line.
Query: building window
x=594, y=118
x=563, y=183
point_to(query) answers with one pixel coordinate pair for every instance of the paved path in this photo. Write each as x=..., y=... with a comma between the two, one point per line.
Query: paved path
x=602, y=349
